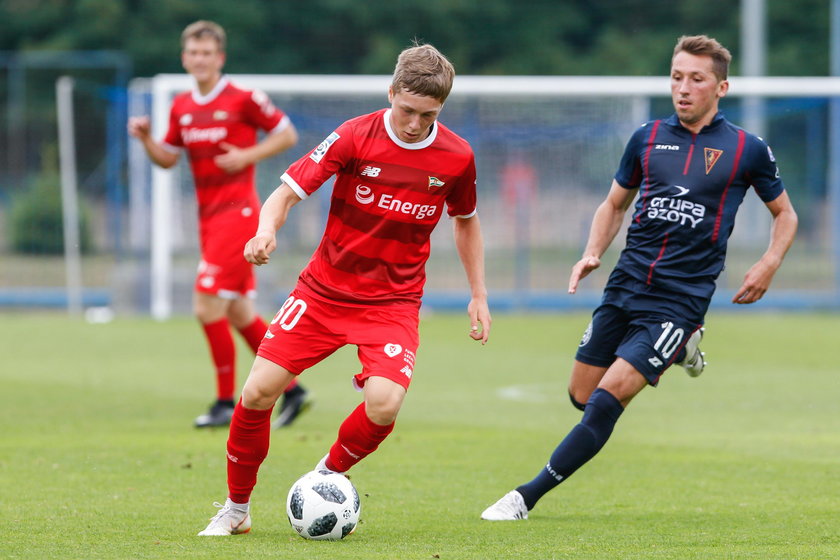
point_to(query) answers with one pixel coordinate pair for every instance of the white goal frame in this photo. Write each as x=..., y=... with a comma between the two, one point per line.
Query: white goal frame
x=642, y=89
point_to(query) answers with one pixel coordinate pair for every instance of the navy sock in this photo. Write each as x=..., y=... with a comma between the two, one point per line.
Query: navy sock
x=580, y=445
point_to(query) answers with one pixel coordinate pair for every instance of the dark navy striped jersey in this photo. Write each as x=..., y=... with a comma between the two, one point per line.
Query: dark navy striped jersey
x=690, y=187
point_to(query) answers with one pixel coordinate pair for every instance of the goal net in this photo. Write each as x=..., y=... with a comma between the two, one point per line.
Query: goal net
x=546, y=150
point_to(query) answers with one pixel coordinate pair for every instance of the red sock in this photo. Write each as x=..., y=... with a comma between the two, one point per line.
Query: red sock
x=247, y=447
x=358, y=437
x=254, y=334
x=223, y=352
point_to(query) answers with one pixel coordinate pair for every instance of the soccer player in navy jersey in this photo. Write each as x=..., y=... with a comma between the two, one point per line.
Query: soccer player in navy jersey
x=396, y=171
x=690, y=172
x=216, y=124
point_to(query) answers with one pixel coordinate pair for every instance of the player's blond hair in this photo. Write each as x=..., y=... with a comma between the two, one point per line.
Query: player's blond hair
x=423, y=70
x=701, y=45
x=202, y=29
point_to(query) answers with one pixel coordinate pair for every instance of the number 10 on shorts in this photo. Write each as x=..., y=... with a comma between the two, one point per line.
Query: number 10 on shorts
x=667, y=343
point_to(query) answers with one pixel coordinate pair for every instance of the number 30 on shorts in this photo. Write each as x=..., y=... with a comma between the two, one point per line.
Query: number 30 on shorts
x=290, y=313
x=667, y=343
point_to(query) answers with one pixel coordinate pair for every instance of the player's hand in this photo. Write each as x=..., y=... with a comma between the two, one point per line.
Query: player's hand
x=139, y=127
x=581, y=270
x=258, y=249
x=756, y=283
x=233, y=160
x=480, y=319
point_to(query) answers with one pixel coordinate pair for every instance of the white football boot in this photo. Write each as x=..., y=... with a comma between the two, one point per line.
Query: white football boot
x=510, y=507
x=229, y=521
x=694, y=360
x=322, y=465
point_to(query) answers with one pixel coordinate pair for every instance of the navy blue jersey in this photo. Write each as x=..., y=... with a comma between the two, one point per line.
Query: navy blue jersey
x=690, y=187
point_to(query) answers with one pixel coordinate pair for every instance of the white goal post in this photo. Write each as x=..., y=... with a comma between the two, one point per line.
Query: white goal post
x=636, y=94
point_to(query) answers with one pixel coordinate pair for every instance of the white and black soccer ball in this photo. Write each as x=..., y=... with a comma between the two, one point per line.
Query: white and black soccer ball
x=323, y=505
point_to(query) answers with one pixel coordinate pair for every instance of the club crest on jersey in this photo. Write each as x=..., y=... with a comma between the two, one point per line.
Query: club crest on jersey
x=711, y=155
x=319, y=152
x=392, y=350
x=435, y=182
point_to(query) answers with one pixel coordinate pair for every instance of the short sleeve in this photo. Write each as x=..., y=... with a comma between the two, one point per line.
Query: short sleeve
x=629, y=174
x=763, y=171
x=461, y=201
x=307, y=174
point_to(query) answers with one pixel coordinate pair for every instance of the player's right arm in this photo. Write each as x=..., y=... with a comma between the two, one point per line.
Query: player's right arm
x=272, y=217
x=605, y=225
x=140, y=128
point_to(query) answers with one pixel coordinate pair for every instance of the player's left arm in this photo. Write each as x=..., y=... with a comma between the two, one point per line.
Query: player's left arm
x=470, y=244
x=236, y=158
x=760, y=275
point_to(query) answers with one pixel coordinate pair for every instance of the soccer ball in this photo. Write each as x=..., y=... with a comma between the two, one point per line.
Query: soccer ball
x=323, y=505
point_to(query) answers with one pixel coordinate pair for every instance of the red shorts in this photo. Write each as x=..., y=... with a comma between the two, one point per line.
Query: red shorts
x=309, y=328
x=223, y=270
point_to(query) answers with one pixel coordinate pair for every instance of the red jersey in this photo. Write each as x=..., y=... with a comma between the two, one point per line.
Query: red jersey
x=387, y=198
x=227, y=114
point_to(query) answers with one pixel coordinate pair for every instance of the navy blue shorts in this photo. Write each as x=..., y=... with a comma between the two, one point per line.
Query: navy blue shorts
x=646, y=326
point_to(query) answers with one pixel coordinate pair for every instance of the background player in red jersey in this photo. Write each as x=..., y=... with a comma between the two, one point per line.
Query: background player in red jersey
x=217, y=125
x=395, y=171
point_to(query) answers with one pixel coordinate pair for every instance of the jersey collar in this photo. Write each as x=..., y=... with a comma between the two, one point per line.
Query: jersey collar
x=674, y=121
x=214, y=93
x=409, y=145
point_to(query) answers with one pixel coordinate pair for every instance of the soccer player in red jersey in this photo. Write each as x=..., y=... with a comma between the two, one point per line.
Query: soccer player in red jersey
x=396, y=170
x=216, y=123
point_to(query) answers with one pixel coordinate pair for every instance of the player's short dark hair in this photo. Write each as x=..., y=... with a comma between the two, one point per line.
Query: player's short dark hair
x=701, y=45
x=423, y=70
x=203, y=29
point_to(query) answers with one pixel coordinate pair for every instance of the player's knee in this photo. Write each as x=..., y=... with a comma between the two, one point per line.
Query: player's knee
x=257, y=398
x=382, y=412
x=575, y=403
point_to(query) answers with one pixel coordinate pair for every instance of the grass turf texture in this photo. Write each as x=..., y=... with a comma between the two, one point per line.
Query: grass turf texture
x=98, y=457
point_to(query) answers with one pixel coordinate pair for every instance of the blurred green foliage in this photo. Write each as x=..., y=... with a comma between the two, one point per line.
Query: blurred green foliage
x=36, y=223
x=540, y=37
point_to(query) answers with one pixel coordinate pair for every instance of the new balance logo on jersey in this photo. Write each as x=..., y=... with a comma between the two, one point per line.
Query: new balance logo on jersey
x=214, y=135
x=371, y=171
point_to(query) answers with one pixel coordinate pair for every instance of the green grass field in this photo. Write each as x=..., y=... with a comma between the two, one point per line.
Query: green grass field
x=98, y=457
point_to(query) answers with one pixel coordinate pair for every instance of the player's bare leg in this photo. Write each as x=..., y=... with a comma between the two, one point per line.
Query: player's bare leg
x=583, y=381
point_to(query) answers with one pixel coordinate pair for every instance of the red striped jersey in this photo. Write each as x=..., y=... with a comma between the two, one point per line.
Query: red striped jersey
x=387, y=198
x=228, y=114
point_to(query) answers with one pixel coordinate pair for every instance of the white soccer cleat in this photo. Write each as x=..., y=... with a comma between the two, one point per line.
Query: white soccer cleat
x=229, y=521
x=510, y=507
x=322, y=465
x=694, y=360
